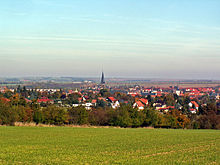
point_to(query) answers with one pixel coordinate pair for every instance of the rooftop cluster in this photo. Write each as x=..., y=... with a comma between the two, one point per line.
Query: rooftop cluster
x=189, y=103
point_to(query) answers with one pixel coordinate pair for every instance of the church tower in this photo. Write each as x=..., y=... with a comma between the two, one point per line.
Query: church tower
x=102, y=78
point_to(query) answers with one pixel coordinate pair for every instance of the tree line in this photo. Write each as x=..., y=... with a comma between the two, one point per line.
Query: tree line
x=125, y=116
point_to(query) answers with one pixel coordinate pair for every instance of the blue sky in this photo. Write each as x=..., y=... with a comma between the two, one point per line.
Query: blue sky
x=142, y=38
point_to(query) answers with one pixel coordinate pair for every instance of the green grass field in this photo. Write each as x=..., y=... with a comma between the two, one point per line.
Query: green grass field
x=65, y=145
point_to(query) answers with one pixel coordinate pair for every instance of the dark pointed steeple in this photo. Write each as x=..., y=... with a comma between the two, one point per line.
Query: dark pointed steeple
x=102, y=78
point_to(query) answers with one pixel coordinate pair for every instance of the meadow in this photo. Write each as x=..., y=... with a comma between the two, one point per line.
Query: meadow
x=67, y=145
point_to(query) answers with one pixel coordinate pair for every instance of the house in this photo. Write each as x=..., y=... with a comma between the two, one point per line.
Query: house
x=94, y=102
x=3, y=89
x=59, y=102
x=81, y=99
x=4, y=100
x=193, y=111
x=217, y=96
x=111, y=99
x=178, y=106
x=178, y=92
x=194, y=104
x=88, y=106
x=75, y=105
x=144, y=101
x=27, y=100
x=171, y=107
x=163, y=109
x=114, y=103
x=45, y=100
x=101, y=98
x=133, y=94
x=139, y=105
x=160, y=106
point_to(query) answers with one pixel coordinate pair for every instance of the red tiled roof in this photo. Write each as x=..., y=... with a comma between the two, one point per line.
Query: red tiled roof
x=162, y=108
x=193, y=102
x=139, y=104
x=44, y=100
x=5, y=99
x=28, y=101
x=86, y=97
x=112, y=99
x=145, y=101
x=101, y=98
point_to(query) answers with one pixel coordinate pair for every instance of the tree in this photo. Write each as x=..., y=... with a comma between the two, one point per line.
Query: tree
x=38, y=116
x=104, y=93
x=8, y=94
x=101, y=103
x=209, y=120
x=99, y=116
x=151, y=117
x=54, y=115
x=182, y=121
x=120, y=117
x=137, y=117
x=24, y=114
x=169, y=100
x=187, y=100
x=78, y=115
x=7, y=115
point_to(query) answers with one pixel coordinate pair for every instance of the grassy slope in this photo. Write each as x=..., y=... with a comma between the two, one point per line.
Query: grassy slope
x=62, y=145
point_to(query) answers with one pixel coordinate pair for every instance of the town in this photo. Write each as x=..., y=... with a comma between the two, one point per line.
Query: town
x=109, y=82
x=184, y=101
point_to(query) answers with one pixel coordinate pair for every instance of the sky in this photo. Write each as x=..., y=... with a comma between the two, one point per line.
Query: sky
x=126, y=38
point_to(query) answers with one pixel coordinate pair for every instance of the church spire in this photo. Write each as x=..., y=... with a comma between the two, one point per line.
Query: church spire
x=102, y=78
